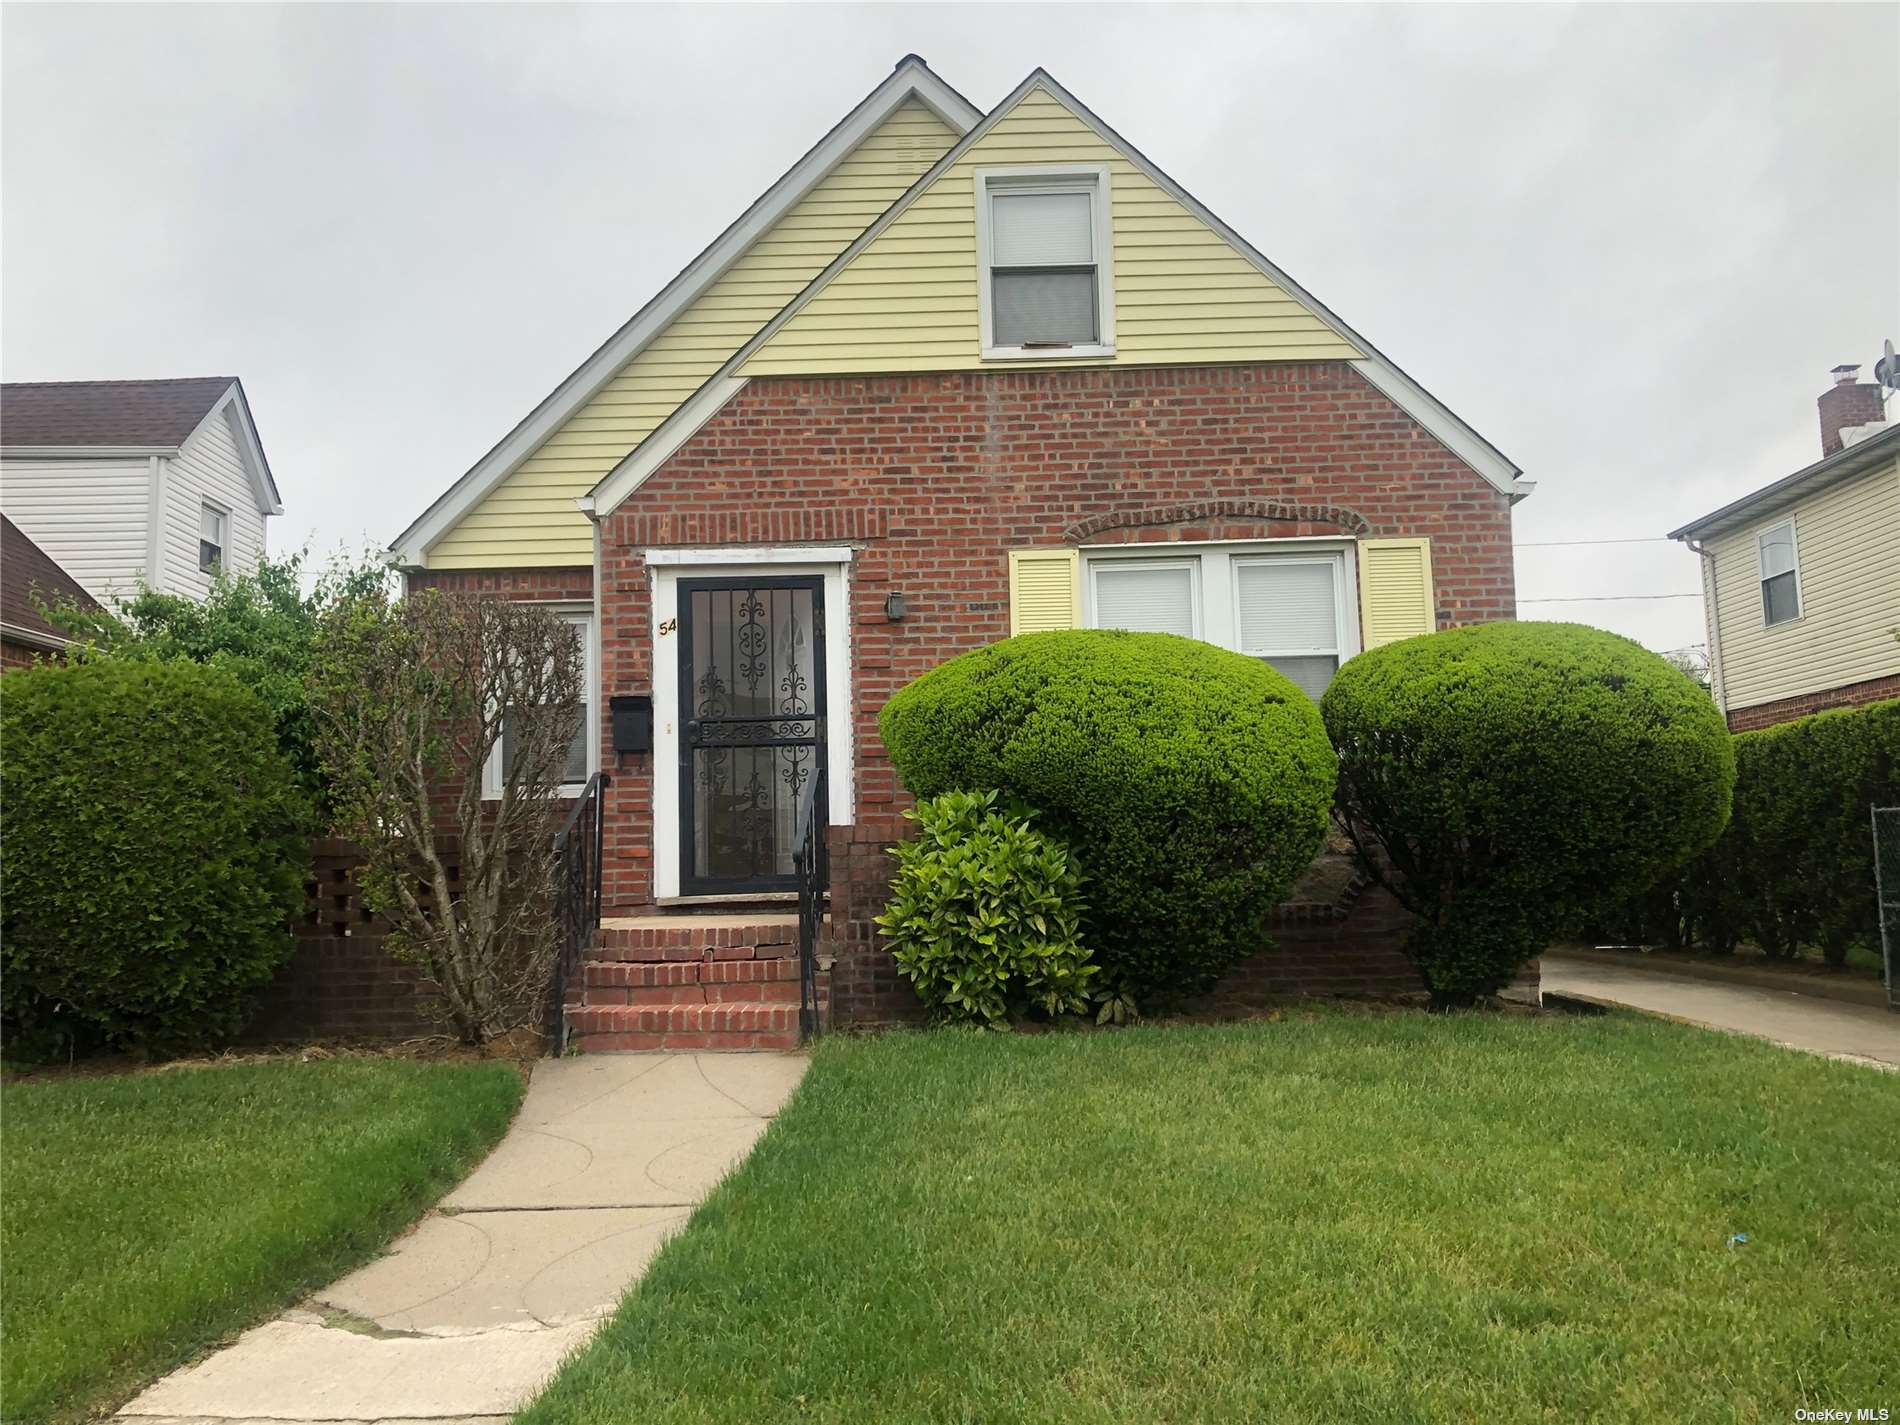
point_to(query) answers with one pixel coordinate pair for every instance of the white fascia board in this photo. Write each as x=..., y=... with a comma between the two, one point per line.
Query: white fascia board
x=1400, y=389
x=85, y=452
x=673, y=432
x=34, y=637
x=250, y=449
x=911, y=79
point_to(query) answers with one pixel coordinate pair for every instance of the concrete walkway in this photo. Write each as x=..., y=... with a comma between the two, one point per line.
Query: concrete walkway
x=469, y=1314
x=1839, y=1030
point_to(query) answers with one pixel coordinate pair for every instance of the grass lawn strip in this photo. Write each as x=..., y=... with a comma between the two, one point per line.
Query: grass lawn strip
x=144, y=1217
x=1384, y=1218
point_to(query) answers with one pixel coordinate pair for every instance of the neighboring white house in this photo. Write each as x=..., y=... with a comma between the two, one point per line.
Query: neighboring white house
x=129, y=481
x=1801, y=579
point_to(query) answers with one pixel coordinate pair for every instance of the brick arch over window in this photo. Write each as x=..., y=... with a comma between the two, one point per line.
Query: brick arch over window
x=1339, y=516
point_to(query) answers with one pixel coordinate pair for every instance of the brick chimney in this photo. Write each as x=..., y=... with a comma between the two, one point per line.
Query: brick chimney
x=1847, y=403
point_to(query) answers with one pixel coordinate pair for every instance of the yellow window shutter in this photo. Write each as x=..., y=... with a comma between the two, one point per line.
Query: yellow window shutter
x=1395, y=590
x=1045, y=590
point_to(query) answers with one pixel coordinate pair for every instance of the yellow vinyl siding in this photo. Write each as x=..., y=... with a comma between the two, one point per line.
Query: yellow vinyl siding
x=1847, y=548
x=530, y=518
x=908, y=302
x=1045, y=590
x=1395, y=590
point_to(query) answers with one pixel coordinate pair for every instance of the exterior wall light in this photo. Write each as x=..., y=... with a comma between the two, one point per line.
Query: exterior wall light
x=894, y=607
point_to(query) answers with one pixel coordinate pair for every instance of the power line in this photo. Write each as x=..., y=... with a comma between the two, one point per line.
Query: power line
x=1569, y=543
x=1608, y=598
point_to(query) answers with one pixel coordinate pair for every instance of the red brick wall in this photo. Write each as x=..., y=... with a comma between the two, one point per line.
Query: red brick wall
x=1787, y=709
x=935, y=477
x=340, y=982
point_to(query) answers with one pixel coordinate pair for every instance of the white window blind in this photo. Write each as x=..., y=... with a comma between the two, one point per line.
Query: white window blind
x=1145, y=598
x=1287, y=612
x=211, y=537
x=1042, y=229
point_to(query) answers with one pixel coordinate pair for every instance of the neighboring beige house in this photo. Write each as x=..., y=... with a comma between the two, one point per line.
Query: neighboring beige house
x=123, y=482
x=1801, y=579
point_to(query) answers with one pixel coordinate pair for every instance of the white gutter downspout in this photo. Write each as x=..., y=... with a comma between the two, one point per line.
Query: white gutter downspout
x=155, y=522
x=1712, y=624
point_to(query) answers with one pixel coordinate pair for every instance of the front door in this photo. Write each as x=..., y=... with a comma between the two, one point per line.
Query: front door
x=752, y=714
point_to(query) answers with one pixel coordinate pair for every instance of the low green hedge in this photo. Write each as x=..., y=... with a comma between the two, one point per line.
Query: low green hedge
x=1506, y=779
x=153, y=845
x=985, y=914
x=1191, y=782
x=1795, y=868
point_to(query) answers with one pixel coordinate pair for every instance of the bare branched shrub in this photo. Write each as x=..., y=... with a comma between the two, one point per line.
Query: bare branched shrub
x=412, y=698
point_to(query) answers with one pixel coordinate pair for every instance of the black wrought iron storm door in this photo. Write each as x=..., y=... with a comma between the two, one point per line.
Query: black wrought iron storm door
x=752, y=717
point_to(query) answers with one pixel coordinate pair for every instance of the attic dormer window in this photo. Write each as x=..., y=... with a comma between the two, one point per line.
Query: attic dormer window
x=1043, y=248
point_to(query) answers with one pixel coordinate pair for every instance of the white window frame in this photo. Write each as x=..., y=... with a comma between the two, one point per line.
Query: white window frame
x=583, y=615
x=223, y=515
x=1761, y=579
x=1092, y=178
x=1337, y=563
x=1217, y=620
x=1189, y=563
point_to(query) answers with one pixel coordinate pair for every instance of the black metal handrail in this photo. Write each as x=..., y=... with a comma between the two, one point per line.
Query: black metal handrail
x=578, y=849
x=811, y=864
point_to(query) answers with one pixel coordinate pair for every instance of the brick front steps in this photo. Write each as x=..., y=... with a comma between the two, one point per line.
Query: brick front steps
x=689, y=982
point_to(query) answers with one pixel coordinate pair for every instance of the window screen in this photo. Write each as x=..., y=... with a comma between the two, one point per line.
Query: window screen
x=211, y=527
x=1043, y=278
x=1145, y=598
x=1780, y=596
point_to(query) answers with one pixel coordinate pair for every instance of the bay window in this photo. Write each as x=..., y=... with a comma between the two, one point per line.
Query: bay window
x=1286, y=605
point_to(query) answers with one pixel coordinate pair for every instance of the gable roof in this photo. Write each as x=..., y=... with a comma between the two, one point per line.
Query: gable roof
x=1856, y=459
x=910, y=79
x=26, y=570
x=107, y=413
x=74, y=418
x=1384, y=374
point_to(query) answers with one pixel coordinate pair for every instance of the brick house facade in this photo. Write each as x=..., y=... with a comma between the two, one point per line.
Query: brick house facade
x=931, y=480
x=842, y=470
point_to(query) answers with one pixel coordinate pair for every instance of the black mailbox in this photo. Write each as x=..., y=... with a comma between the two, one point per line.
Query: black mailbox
x=633, y=722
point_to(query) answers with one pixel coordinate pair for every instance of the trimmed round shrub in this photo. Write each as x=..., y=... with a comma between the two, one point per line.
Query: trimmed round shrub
x=152, y=848
x=985, y=914
x=1193, y=783
x=1510, y=779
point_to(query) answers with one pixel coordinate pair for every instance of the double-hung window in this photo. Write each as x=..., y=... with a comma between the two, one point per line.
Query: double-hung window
x=579, y=751
x=1043, y=245
x=1287, y=607
x=214, y=527
x=1780, y=575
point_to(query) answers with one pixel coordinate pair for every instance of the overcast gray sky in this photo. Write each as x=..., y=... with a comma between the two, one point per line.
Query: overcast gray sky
x=1626, y=243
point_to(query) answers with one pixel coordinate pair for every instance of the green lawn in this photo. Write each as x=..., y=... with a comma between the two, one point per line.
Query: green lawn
x=1342, y=1217
x=144, y=1216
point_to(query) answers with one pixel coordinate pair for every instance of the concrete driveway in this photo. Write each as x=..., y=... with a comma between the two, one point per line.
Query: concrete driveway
x=1861, y=1033
x=471, y=1312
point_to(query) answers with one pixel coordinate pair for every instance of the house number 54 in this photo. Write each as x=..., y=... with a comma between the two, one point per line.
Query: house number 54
x=667, y=626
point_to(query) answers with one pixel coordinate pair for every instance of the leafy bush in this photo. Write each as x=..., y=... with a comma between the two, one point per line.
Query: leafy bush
x=1510, y=779
x=1795, y=868
x=985, y=912
x=153, y=848
x=1191, y=782
x=259, y=626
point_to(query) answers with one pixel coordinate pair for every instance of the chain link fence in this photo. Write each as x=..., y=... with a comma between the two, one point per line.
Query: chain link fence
x=1887, y=888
